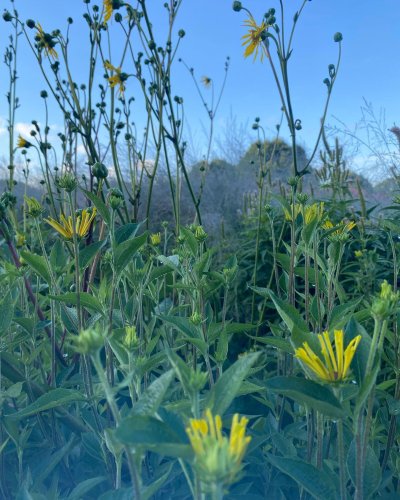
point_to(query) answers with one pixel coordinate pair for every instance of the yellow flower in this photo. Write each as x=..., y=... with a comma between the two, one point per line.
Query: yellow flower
x=296, y=209
x=82, y=226
x=118, y=78
x=46, y=41
x=23, y=143
x=254, y=38
x=335, y=364
x=341, y=231
x=217, y=457
x=206, y=81
x=312, y=212
x=33, y=207
x=108, y=9
x=155, y=239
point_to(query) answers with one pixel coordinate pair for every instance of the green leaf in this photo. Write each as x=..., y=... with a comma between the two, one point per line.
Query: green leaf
x=52, y=399
x=228, y=385
x=51, y=463
x=126, y=231
x=153, y=396
x=307, y=392
x=359, y=363
x=125, y=251
x=87, y=254
x=184, y=325
x=79, y=491
x=38, y=264
x=317, y=482
x=150, y=490
x=289, y=314
x=140, y=430
x=86, y=300
x=100, y=205
x=371, y=469
x=282, y=344
x=340, y=314
x=6, y=314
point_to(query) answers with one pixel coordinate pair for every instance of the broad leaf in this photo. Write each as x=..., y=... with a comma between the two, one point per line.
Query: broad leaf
x=307, y=392
x=228, y=385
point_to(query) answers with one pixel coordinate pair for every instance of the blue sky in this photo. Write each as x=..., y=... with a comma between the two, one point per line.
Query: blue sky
x=370, y=66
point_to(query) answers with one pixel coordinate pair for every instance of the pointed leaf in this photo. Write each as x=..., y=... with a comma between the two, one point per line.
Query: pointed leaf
x=228, y=385
x=317, y=482
x=126, y=251
x=307, y=392
x=52, y=399
x=152, y=398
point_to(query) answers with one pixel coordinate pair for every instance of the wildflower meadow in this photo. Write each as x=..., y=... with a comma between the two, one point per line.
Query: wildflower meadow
x=180, y=329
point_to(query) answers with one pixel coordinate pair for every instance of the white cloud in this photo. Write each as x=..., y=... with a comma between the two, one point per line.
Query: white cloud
x=3, y=126
x=23, y=128
x=81, y=149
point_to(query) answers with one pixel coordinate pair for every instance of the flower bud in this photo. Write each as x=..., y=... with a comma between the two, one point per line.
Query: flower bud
x=237, y=6
x=155, y=239
x=88, y=341
x=30, y=23
x=34, y=208
x=7, y=16
x=99, y=170
x=337, y=37
x=115, y=198
x=68, y=182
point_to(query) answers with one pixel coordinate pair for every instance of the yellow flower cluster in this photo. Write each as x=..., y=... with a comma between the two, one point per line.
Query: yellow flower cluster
x=217, y=457
x=335, y=364
x=82, y=224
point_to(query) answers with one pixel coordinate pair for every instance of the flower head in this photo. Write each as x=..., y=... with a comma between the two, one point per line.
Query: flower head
x=341, y=231
x=313, y=212
x=254, y=38
x=206, y=81
x=109, y=7
x=385, y=304
x=23, y=143
x=334, y=364
x=217, y=457
x=293, y=212
x=82, y=224
x=33, y=207
x=155, y=239
x=118, y=78
x=45, y=41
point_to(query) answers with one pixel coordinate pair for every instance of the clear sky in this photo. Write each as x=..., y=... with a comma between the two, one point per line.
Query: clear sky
x=370, y=62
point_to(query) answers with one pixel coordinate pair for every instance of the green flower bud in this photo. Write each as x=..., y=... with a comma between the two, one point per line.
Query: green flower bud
x=130, y=340
x=181, y=33
x=115, y=198
x=337, y=37
x=30, y=23
x=200, y=234
x=34, y=208
x=386, y=303
x=237, y=6
x=7, y=16
x=88, y=341
x=68, y=182
x=99, y=170
x=196, y=318
x=197, y=380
